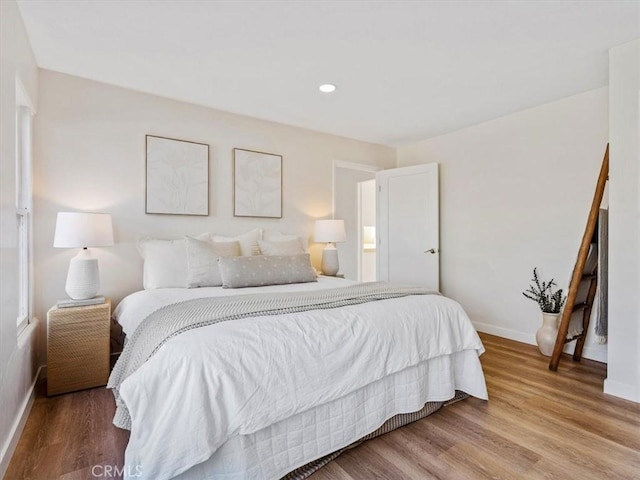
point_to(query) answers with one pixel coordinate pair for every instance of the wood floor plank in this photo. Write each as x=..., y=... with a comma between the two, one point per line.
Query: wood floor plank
x=374, y=465
x=537, y=425
x=419, y=451
x=519, y=458
x=570, y=461
x=332, y=471
x=464, y=457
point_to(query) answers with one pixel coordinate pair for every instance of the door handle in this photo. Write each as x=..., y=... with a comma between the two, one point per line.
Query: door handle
x=432, y=251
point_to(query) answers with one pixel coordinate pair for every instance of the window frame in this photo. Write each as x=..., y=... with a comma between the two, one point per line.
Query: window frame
x=24, y=205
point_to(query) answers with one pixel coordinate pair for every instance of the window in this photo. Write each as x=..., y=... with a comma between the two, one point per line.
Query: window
x=23, y=212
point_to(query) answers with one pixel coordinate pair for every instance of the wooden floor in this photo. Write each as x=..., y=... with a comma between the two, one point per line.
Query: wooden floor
x=537, y=425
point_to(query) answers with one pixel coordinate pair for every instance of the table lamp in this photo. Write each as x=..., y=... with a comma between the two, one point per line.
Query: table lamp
x=330, y=231
x=83, y=230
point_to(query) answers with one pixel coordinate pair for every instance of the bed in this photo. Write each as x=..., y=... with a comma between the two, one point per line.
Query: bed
x=273, y=381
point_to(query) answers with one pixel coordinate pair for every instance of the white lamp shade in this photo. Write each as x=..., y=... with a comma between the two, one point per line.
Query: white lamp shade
x=75, y=229
x=330, y=231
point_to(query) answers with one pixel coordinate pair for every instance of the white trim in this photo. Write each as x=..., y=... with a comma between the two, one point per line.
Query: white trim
x=23, y=323
x=356, y=166
x=24, y=202
x=22, y=97
x=597, y=353
x=24, y=336
x=15, y=432
x=359, y=232
x=516, y=335
x=627, y=391
x=348, y=165
x=591, y=352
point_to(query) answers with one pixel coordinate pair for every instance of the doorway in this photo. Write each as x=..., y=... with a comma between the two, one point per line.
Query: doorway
x=367, y=231
x=348, y=206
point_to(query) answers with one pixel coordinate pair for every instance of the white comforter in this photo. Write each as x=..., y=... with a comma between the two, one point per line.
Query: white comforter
x=235, y=378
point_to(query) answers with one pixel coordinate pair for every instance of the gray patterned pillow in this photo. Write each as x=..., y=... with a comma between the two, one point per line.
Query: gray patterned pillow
x=261, y=270
x=202, y=261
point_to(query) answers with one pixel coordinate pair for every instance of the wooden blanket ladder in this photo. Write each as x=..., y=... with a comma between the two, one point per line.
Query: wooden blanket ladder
x=581, y=275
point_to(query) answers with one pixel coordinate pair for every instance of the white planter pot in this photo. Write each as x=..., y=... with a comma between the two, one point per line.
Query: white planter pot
x=547, y=333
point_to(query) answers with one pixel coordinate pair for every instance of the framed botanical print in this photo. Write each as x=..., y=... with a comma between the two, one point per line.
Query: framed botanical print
x=257, y=184
x=177, y=176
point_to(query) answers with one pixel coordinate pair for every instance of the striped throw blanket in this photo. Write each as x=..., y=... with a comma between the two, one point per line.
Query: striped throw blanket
x=169, y=321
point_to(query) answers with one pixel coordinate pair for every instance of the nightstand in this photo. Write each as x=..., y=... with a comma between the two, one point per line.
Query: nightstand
x=78, y=340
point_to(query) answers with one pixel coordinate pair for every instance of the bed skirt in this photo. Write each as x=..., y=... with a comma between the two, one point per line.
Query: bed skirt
x=393, y=423
x=303, y=441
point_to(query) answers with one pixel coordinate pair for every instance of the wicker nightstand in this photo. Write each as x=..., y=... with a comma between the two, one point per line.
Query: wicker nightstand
x=77, y=347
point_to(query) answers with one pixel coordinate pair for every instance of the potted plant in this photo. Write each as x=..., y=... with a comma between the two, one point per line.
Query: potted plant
x=550, y=302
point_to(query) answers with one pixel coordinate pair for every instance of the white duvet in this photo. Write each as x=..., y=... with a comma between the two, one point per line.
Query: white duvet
x=209, y=385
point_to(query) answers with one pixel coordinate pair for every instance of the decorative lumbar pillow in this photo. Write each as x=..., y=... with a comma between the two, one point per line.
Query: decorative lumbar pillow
x=285, y=247
x=202, y=261
x=261, y=270
x=165, y=263
x=248, y=241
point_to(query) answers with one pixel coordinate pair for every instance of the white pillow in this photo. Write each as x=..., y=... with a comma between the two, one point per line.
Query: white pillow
x=248, y=241
x=202, y=261
x=285, y=247
x=165, y=263
x=273, y=236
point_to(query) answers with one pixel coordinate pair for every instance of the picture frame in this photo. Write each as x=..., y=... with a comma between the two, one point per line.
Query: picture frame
x=177, y=176
x=257, y=184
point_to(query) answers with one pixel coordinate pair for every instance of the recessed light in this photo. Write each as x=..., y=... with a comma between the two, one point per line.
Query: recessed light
x=327, y=88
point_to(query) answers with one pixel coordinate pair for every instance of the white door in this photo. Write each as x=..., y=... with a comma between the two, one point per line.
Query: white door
x=408, y=225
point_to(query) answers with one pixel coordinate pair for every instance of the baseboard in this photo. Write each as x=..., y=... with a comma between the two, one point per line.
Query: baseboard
x=18, y=426
x=592, y=352
x=516, y=335
x=622, y=390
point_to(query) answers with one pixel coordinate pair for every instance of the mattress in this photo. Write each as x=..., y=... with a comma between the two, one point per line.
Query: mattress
x=257, y=398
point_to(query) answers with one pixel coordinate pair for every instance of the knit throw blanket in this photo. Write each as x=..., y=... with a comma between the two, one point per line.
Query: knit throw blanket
x=171, y=320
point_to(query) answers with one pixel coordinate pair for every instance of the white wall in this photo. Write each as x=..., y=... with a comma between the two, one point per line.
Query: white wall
x=18, y=362
x=623, y=373
x=90, y=150
x=515, y=194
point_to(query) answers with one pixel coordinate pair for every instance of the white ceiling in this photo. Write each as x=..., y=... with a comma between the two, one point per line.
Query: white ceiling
x=405, y=70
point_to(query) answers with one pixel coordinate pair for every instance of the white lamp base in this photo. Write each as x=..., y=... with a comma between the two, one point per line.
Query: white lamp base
x=83, y=278
x=330, y=264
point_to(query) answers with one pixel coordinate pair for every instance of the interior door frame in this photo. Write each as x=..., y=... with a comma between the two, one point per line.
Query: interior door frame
x=362, y=167
x=360, y=224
